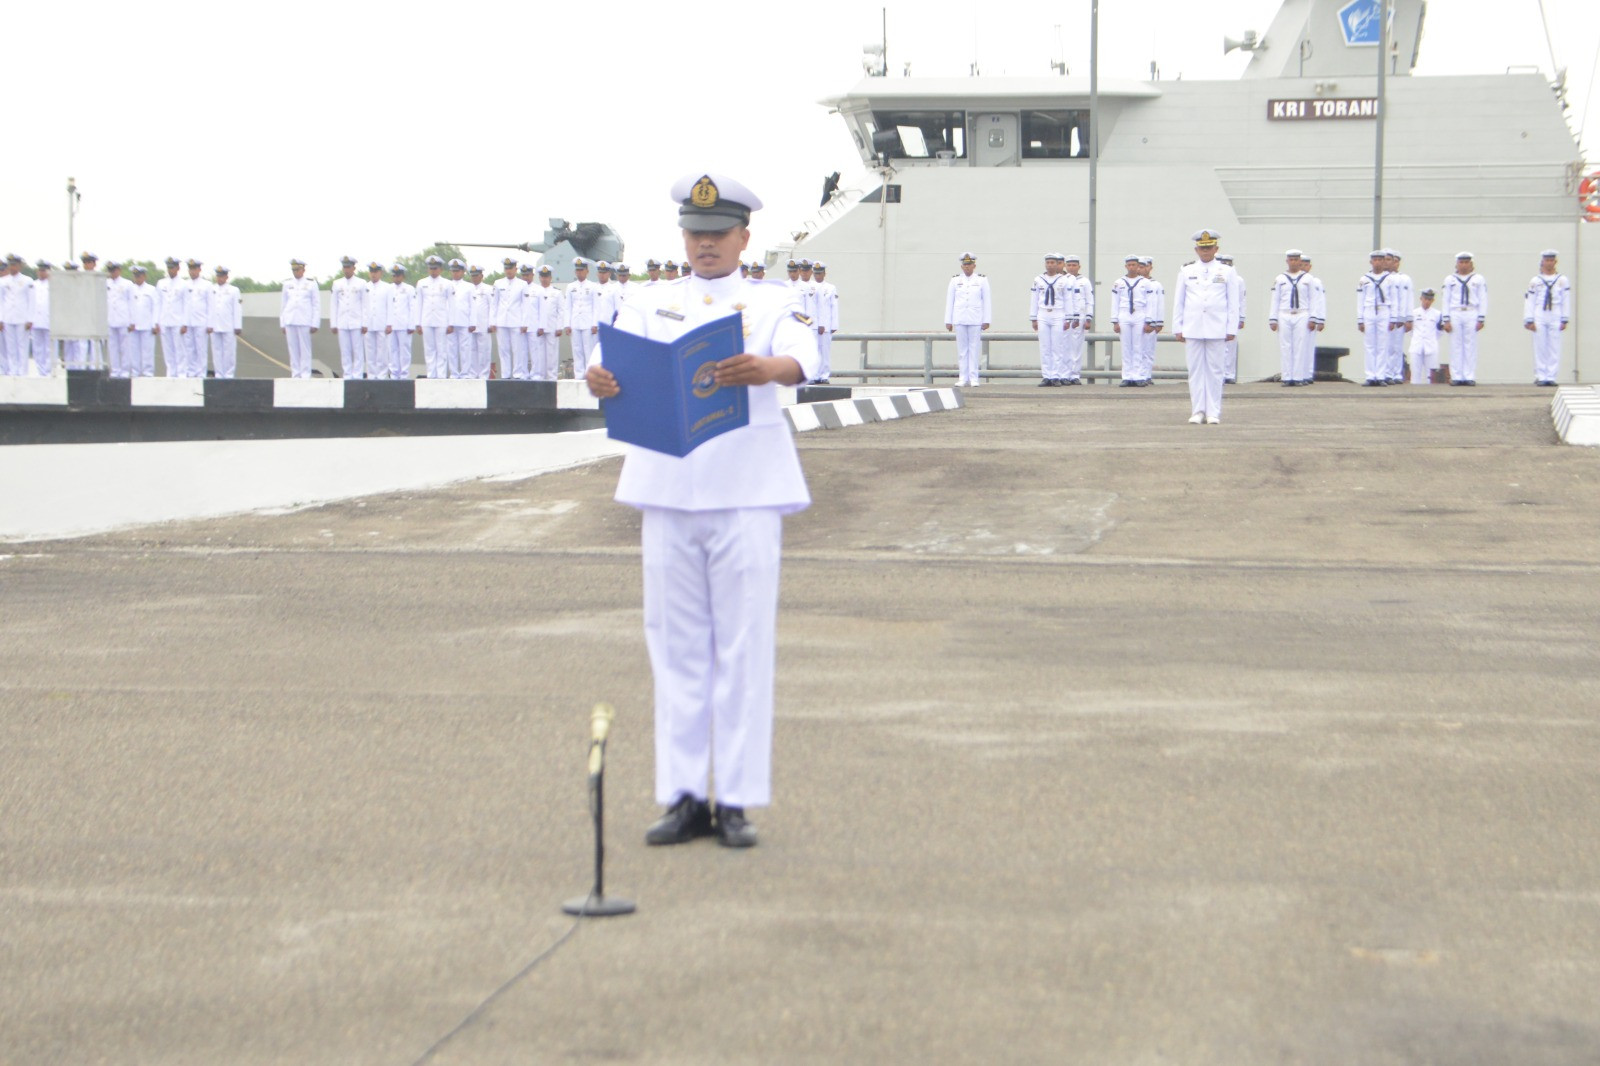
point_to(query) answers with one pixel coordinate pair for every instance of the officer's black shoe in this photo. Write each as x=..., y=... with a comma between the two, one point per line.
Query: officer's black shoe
x=685, y=819
x=1230, y=381
x=1470, y=382
x=1046, y=383
x=733, y=831
x=1126, y=384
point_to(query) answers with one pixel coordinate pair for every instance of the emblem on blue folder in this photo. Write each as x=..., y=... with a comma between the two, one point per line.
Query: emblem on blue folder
x=704, y=382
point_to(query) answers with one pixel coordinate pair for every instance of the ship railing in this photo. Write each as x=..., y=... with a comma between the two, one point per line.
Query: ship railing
x=874, y=365
x=843, y=199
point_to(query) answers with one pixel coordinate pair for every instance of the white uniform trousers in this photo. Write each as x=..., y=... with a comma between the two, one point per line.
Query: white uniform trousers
x=199, y=351
x=969, y=354
x=545, y=355
x=1546, y=345
x=1205, y=359
x=225, y=353
x=1052, y=345
x=172, y=346
x=520, y=348
x=452, y=353
x=1072, y=353
x=503, y=345
x=433, y=355
x=400, y=355
x=94, y=356
x=1147, y=354
x=1395, y=367
x=352, y=352
x=1296, y=346
x=139, y=353
x=377, y=348
x=299, y=341
x=1375, y=343
x=1424, y=360
x=710, y=623
x=1131, y=339
x=583, y=342
x=44, y=353
x=14, y=349
x=1464, y=347
x=72, y=354
x=476, y=354
x=825, y=351
x=1230, y=359
x=114, y=346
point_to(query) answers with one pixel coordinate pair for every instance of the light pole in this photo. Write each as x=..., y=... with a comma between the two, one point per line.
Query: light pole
x=73, y=196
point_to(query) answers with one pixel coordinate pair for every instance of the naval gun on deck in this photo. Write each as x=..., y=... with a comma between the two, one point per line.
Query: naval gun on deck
x=562, y=244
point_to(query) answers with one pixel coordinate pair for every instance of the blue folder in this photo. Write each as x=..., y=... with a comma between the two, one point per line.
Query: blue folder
x=669, y=400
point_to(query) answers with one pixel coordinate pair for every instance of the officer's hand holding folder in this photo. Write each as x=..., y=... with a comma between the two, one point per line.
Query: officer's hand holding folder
x=669, y=400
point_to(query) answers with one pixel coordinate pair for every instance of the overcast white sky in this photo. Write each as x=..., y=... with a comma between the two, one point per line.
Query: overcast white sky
x=246, y=135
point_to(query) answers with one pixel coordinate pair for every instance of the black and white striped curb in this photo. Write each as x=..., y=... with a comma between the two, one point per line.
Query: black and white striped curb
x=1576, y=413
x=871, y=405
x=92, y=390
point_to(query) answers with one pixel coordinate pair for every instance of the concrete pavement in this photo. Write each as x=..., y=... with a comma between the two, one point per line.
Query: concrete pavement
x=1102, y=739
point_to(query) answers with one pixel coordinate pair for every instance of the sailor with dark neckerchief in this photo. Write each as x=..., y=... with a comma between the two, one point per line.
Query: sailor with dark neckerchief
x=713, y=523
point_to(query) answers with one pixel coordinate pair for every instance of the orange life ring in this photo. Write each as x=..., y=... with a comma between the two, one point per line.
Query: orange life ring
x=1588, y=186
x=1591, y=212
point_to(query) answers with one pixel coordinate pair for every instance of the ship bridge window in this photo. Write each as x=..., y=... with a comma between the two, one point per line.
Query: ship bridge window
x=1055, y=134
x=919, y=134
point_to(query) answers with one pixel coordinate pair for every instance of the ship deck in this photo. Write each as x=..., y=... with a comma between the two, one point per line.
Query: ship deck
x=1102, y=738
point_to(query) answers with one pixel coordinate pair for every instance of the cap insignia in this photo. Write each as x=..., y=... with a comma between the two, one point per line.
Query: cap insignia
x=704, y=193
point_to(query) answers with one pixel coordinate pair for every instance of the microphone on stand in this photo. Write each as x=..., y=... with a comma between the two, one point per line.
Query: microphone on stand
x=595, y=904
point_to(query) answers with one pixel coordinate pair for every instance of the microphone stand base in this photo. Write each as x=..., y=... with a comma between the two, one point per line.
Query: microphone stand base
x=598, y=906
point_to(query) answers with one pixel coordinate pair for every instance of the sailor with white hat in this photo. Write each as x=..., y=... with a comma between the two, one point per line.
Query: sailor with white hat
x=300, y=309
x=400, y=323
x=712, y=526
x=1290, y=316
x=827, y=316
x=1375, y=309
x=1155, y=317
x=347, y=313
x=968, y=310
x=1205, y=311
x=1230, y=365
x=1546, y=309
x=373, y=322
x=585, y=304
x=1047, y=312
x=1404, y=299
x=227, y=323
x=1079, y=294
x=1131, y=297
x=1466, y=306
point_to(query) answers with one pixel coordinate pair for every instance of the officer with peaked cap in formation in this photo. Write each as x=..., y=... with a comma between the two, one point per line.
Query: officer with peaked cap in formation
x=670, y=270
x=196, y=320
x=173, y=317
x=582, y=315
x=300, y=309
x=375, y=317
x=506, y=314
x=457, y=345
x=1424, y=339
x=1205, y=309
x=1294, y=314
x=827, y=318
x=1230, y=369
x=625, y=285
x=1375, y=308
x=1047, y=312
x=118, y=317
x=433, y=293
x=347, y=315
x=14, y=300
x=652, y=270
x=1546, y=309
x=400, y=323
x=91, y=351
x=1466, y=307
x=758, y=270
x=72, y=351
x=968, y=310
x=712, y=527
x=548, y=309
x=139, y=342
x=227, y=324
x=482, y=319
x=524, y=332
x=606, y=307
x=38, y=324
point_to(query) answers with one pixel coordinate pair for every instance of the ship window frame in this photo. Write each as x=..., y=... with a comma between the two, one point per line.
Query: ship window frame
x=1057, y=117
x=932, y=130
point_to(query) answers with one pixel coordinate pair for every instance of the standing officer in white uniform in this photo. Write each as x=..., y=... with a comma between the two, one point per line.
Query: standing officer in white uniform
x=372, y=323
x=16, y=294
x=139, y=342
x=118, y=347
x=827, y=316
x=347, y=315
x=1047, y=312
x=1466, y=306
x=1130, y=295
x=1424, y=340
x=1375, y=309
x=505, y=306
x=1080, y=319
x=610, y=293
x=1545, y=311
x=547, y=306
x=1293, y=315
x=1399, y=318
x=433, y=316
x=713, y=527
x=174, y=314
x=967, y=313
x=482, y=319
x=38, y=324
x=1204, y=310
x=196, y=320
x=457, y=356
x=227, y=323
x=92, y=357
x=1230, y=369
x=582, y=316
x=299, y=312
x=400, y=323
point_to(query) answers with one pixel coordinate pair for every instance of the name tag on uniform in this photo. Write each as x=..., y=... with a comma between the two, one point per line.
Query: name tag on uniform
x=664, y=313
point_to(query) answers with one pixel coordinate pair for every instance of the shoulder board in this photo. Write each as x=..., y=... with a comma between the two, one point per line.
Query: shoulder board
x=800, y=317
x=1190, y=263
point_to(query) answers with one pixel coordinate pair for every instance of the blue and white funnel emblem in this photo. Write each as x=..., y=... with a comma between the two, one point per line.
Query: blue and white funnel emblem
x=1361, y=22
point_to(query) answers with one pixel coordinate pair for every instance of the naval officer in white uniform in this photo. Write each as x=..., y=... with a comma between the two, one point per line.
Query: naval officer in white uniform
x=1545, y=311
x=1204, y=311
x=1047, y=311
x=347, y=313
x=1466, y=306
x=967, y=313
x=713, y=526
x=300, y=311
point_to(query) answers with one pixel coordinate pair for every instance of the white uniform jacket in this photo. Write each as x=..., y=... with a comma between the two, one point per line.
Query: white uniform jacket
x=1548, y=295
x=482, y=306
x=584, y=304
x=227, y=308
x=433, y=300
x=144, y=306
x=1080, y=296
x=402, y=312
x=1205, y=304
x=752, y=466
x=546, y=309
x=197, y=312
x=1375, y=295
x=117, y=311
x=1295, y=294
x=461, y=293
x=347, y=302
x=1465, y=299
x=507, y=309
x=174, y=299
x=301, y=304
x=14, y=298
x=967, y=301
x=375, y=310
x=39, y=304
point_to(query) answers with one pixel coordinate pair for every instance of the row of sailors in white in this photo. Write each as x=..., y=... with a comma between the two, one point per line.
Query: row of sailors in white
x=819, y=301
x=194, y=317
x=1140, y=310
x=1061, y=309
